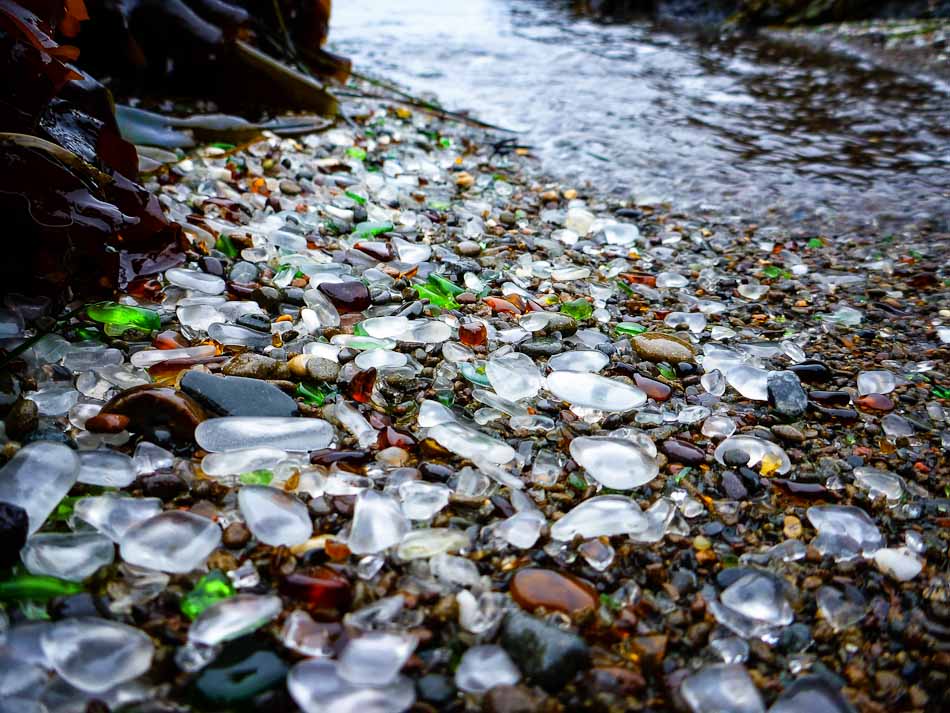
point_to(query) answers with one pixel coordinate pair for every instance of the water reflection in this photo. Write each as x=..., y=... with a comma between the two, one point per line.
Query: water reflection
x=745, y=126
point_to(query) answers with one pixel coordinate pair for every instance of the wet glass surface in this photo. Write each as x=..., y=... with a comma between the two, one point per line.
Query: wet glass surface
x=753, y=127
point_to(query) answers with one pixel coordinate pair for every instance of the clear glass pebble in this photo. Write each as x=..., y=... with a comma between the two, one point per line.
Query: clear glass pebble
x=69, y=556
x=617, y=464
x=38, y=477
x=95, y=655
x=274, y=517
x=175, y=541
x=485, y=667
x=234, y=617
x=241, y=432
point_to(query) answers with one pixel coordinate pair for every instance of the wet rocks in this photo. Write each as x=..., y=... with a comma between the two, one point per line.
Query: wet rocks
x=256, y=366
x=236, y=395
x=547, y=655
x=657, y=347
x=158, y=410
x=786, y=396
x=533, y=588
x=14, y=525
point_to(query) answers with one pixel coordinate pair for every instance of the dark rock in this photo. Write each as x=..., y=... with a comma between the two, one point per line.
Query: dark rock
x=547, y=655
x=257, y=322
x=14, y=526
x=683, y=452
x=812, y=372
x=735, y=457
x=235, y=536
x=435, y=688
x=542, y=346
x=733, y=486
x=786, y=395
x=164, y=485
x=23, y=419
x=559, y=323
x=237, y=395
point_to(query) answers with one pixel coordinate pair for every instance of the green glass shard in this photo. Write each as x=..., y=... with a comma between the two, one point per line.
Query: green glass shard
x=371, y=229
x=360, y=330
x=772, y=271
x=815, y=243
x=126, y=316
x=89, y=333
x=311, y=394
x=355, y=197
x=356, y=152
x=630, y=328
x=211, y=588
x=666, y=371
x=579, y=309
x=262, y=476
x=941, y=392
x=426, y=292
x=226, y=245
x=445, y=286
x=36, y=587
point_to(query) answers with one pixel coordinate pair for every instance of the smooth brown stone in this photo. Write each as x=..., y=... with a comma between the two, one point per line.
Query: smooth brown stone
x=107, y=423
x=352, y=296
x=874, y=402
x=151, y=407
x=617, y=680
x=535, y=587
x=657, y=347
x=683, y=452
x=235, y=536
x=656, y=390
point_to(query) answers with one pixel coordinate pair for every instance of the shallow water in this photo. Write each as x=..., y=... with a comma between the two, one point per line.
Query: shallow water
x=753, y=128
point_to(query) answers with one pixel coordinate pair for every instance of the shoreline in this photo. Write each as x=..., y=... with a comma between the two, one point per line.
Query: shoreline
x=317, y=254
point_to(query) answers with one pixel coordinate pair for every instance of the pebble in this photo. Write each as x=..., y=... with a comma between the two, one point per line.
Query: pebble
x=256, y=366
x=533, y=588
x=95, y=655
x=153, y=409
x=547, y=655
x=785, y=394
x=273, y=516
x=173, y=541
x=657, y=347
x=36, y=479
x=237, y=395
